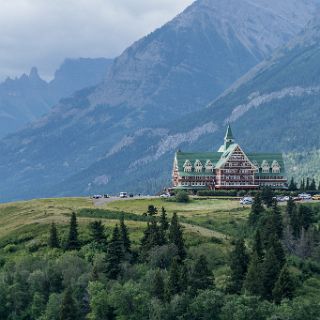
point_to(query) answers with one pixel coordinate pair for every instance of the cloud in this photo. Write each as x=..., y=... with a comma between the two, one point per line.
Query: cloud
x=43, y=33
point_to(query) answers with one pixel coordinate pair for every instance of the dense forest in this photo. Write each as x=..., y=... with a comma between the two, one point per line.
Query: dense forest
x=100, y=273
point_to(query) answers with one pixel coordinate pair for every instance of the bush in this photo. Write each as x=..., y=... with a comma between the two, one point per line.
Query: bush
x=217, y=193
x=182, y=196
x=9, y=248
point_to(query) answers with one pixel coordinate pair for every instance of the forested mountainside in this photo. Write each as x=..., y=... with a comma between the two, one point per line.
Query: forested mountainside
x=122, y=133
x=27, y=98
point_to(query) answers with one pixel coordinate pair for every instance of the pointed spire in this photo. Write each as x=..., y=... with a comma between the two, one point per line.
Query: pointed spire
x=229, y=135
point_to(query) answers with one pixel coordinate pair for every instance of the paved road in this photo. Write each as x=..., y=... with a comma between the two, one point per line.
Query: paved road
x=100, y=202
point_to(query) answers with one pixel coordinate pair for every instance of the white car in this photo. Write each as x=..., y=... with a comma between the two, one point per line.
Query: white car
x=97, y=196
x=123, y=195
x=165, y=195
x=305, y=196
x=246, y=200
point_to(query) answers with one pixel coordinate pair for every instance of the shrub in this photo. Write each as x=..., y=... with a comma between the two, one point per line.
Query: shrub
x=182, y=196
x=10, y=248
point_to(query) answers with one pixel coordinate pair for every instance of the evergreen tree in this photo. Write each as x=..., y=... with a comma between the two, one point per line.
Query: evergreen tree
x=73, y=242
x=253, y=282
x=126, y=243
x=291, y=206
x=173, y=285
x=176, y=236
x=284, y=287
x=302, y=185
x=256, y=210
x=308, y=184
x=257, y=246
x=158, y=288
x=164, y=223
x=152, y=210
x=68, y=310
x=267, y=196
x=277, y=219
x=292, y=185
x=275, y=243
x=313, y=186
x=53, y=237
x=114, y=255
x=319, y=186
x=201, y=276
x=270, y=273
x=97, y=232
x=238, y=267
x=306, y=217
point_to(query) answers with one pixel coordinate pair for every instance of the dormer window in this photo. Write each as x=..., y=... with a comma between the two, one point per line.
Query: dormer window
x=198, y=166
x=187, y=166
x=209, y=166
x=265, y=166
x=275, y=167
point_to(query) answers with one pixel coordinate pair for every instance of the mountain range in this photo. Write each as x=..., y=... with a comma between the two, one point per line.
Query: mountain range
x=157, y=97
x=27, y=98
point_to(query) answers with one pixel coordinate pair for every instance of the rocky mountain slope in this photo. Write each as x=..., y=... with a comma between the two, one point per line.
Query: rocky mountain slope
x=122, y=134
x=28, y=97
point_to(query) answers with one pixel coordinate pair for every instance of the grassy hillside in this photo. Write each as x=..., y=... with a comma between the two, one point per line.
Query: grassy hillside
x=36, y=277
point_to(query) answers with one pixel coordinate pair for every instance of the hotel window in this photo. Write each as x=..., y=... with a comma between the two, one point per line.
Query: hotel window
x=275, y=167
x=187, y=166
x=265, y=167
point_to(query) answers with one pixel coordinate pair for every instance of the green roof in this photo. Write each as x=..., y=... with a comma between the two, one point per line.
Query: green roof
x=219, y=158
x=182, y=157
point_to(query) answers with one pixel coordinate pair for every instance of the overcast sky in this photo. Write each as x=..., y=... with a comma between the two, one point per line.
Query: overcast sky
x=43, y=33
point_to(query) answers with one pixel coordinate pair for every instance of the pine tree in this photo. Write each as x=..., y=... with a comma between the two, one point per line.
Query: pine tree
x=302, y=185
x=313, y=186
x=164, y=223
x=97, y=232
x=238, y=267
x=201, y=276
x=173, y=284
x=292, y=185
x=267, y=196
x=53, y=238
x=277, y=219
x=152, y=210
x=253, y=282
x=257, y=246
x=270, y=273
x=308, y=184
x=306, y=217
x=290, y=207
x=284, y=287
x=319, y=186
x=68, y=310
x=157, y=286
x=126, y=243
x=73, y=242
x=176, y=236
x=114, y=255
x=256, y=210
x=275, y=243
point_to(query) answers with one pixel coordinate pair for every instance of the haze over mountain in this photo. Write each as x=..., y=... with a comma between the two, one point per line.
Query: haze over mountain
x=28, y=97
x=122, y=134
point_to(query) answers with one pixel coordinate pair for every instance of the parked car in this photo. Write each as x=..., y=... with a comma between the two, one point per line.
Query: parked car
x=165, y=195
x=246, y=200
x=106, y=196
x=97, y=196
x=131, y=195
x=316, y=197
x=123, y=195
x=305, y=196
